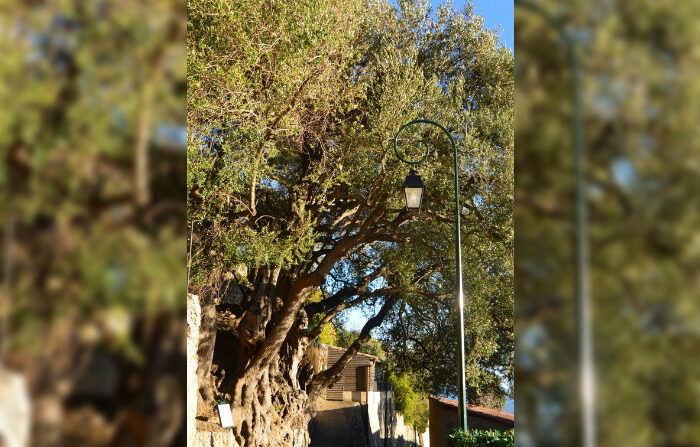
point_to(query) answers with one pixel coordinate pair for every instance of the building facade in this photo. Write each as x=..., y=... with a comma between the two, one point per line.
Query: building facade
x=365, y=373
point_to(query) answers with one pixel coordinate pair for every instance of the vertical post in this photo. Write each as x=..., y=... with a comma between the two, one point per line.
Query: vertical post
x=6, y=290
x=189, y=256
x=462, y=388
x=584, y=323
x=582, y=288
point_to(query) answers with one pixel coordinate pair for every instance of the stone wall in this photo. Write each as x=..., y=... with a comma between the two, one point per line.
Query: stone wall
x=214, y=439
x=194, y=318
x=339, y=424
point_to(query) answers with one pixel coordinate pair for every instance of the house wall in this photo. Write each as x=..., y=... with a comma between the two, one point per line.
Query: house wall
x=378, y=378
x=444, y=419
x=335, y=391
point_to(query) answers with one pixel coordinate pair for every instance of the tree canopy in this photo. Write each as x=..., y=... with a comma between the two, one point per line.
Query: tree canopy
x=92, y=127
x=293, y=184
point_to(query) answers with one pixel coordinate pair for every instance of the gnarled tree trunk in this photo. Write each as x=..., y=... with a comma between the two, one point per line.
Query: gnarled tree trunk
x=266, y=376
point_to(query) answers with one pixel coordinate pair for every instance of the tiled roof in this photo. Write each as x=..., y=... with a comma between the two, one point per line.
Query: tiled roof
x=481, y=411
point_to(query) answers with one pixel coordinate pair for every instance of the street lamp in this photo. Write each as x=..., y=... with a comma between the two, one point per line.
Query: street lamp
x=413, y=193
x=413, y=190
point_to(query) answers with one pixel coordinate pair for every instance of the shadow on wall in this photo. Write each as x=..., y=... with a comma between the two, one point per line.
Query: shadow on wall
x=338, y=424
x=398, y=442
x=349, y=424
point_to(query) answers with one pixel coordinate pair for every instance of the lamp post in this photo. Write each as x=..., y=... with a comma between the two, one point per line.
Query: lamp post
x=583, y=292
x=413, y=194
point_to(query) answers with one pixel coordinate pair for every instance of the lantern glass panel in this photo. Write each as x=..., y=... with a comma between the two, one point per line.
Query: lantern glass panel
x=414, y=197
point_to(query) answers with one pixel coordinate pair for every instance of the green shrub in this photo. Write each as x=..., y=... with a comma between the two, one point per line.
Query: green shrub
x=480, y=438
x=411, y=404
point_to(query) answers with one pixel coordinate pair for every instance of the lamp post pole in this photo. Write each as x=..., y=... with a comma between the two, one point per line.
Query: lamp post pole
x=461, y=385
x=583, y=292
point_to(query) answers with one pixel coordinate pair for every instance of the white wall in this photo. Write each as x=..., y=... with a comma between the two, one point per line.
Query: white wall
x=399, y=434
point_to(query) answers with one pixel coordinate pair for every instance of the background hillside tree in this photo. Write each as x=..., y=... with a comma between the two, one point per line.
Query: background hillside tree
x=640, y=85
x=92, y=143
x=294, y=192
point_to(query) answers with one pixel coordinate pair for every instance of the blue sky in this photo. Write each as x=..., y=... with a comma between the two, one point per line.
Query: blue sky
x=496, y=13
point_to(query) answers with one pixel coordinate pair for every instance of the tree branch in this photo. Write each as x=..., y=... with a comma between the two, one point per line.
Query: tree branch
x=268, y=134
x=335, y=310
x=344, y=293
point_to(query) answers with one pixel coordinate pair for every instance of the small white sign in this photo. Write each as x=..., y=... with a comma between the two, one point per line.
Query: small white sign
x=225, y=415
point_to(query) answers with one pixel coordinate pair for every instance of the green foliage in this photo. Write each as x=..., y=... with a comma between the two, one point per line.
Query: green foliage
x=288, y=74
x=329, y=335
x=336, y=335
x=86, y=88
x=481, y=438
x=92, y=143
x=292, y=109
x=408, y=402
x=374, y=347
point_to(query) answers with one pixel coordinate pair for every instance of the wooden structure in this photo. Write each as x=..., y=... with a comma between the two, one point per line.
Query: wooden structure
x=364, y=373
